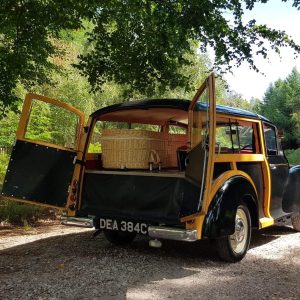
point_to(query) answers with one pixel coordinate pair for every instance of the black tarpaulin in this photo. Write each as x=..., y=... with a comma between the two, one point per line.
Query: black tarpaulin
x=147, y=198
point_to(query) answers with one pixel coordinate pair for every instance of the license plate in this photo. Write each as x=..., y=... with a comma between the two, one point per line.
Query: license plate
x=126, y=226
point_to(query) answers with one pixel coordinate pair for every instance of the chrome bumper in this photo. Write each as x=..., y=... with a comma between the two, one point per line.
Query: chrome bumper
x=73, y=221
x=170, y=233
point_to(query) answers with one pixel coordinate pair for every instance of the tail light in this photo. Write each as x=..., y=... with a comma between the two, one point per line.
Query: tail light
x=74, y=190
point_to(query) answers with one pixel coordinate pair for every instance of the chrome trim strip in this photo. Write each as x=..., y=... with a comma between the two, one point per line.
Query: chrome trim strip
x=170, y=233
x=73, y=221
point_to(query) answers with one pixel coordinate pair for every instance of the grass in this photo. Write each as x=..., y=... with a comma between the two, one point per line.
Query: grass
x=293, y=156
x=19, y=214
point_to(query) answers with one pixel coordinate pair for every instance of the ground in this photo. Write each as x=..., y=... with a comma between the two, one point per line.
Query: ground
x=61, y=262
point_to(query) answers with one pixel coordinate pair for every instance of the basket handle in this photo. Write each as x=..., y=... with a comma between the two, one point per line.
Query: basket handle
x=154, y=157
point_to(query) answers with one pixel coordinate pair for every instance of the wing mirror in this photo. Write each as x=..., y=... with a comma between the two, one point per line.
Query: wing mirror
x=280, y=132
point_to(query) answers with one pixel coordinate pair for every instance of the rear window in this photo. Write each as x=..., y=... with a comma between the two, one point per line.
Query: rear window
x=95, y=144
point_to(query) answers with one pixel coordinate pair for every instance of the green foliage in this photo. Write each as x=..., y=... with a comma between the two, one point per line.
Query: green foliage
x=94, y=147
x=293, y=156
x=233, y=99
x=282, y=106
x=142, y=42
x=26, y=41
x=19, y=214
x=8, y=128
x=133, y=43
x=4, y=159
x=52, y=124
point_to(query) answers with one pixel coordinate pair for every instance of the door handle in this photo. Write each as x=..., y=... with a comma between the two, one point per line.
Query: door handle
x=273, y=167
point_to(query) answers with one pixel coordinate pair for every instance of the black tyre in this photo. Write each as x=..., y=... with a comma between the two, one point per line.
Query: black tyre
x=234, y=247
x=119, y=237
x=296, y=221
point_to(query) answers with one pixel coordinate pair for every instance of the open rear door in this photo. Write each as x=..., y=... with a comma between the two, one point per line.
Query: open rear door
x=201, y=130
x=43, y=159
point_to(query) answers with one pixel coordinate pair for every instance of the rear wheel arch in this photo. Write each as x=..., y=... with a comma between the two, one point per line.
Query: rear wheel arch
x=220, y=218
x=252, y=205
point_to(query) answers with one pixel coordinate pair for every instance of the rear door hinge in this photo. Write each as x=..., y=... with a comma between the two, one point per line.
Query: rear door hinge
x=78, y=161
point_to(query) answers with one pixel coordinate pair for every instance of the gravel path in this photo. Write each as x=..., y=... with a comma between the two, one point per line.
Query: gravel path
x=65, y=263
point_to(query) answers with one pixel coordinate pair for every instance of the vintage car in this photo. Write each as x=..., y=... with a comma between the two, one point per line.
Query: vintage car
x=165, y=168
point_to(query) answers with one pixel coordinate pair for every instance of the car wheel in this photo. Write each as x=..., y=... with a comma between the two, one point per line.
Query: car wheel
x=234, y=247
x=296, y=221
x=119, y=237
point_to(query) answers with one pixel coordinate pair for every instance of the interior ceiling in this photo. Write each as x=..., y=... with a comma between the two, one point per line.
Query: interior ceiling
x=158, y=116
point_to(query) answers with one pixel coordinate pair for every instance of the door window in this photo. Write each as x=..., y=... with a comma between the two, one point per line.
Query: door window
x=270, y=139
x=52, y=124
x=38, y=170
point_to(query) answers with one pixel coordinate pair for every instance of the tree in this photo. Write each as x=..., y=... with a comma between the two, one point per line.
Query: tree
x=282, y=106
x=233, y=99
x=135, y=43
x=141, y=42
x=27, y=30
x=293, y=100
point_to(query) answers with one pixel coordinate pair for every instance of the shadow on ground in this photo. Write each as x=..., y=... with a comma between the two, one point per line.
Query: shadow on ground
x=264, y=236
x=76, y=266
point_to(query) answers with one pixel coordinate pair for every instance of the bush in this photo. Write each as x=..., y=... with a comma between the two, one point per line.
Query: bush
x=293, y=156
x=4, y=159
x=18, y=213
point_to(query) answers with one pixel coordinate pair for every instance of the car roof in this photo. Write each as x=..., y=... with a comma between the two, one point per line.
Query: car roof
x=181, y=104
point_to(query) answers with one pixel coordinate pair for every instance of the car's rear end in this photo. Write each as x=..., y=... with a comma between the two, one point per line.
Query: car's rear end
x=126, y=189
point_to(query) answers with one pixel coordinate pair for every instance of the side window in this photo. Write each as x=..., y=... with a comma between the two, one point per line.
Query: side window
x=280, y=149
x=235, y=136
x=224, y=138
x=270, y=139
x=234, y=130
x=247, y=137
x=173, y=129
x=148, y=127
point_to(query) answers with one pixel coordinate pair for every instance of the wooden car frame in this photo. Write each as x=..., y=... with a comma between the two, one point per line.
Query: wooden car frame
x=234, y=177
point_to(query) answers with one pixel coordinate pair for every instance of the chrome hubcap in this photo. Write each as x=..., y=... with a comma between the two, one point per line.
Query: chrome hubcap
x=238, y=239
x=239, y=233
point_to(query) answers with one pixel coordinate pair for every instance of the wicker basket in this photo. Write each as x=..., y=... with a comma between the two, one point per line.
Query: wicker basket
x=131, y=149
